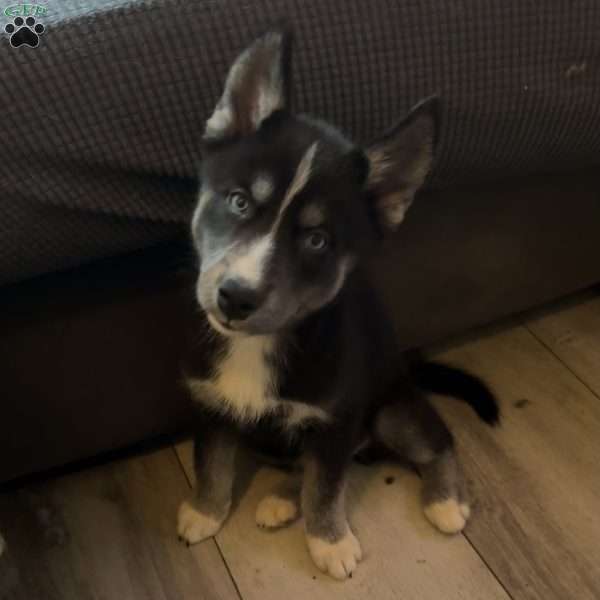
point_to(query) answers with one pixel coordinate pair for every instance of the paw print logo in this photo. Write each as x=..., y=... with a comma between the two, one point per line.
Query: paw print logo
x=24, y=32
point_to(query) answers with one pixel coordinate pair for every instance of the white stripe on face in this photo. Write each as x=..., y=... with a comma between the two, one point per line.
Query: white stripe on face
x=203, y=198
x=220, y=122
x=250, y=265
x=301, y=177
x=249, y=262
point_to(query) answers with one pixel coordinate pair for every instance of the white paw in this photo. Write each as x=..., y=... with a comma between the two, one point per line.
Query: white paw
x=273, y=511
x=194, y=526
x=338, y=559
x=449, y=516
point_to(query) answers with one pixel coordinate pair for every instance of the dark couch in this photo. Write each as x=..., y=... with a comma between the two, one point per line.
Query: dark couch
x=101, y=127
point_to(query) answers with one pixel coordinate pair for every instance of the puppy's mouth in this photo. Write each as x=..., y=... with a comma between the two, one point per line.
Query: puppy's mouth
x=224, y=327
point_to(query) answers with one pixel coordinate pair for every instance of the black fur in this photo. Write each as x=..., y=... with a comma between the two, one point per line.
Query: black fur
x=443, y=379
x=312, y=368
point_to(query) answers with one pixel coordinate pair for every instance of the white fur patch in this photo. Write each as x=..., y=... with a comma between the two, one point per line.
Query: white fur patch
x=261, y=97
x=214, y=323
x=346, y=265
x=293, y=414
x=251, y=264
x=262, y=188
x=274, y=511
x=194, y=526
x=270, y=99
x=298, y=413
x=449, y=516
x=244, y=385
x=338, y=559
x=379, y=165
x=395, y=206
x=270, y=93
x=299, y=181
x=220, y=121
x=203, y=199
x=394, y=202
x=465, y=510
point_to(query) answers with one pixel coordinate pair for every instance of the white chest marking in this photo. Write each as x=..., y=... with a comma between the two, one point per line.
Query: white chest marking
x=245, y=385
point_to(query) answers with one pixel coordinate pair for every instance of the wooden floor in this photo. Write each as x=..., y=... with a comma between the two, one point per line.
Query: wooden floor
x=108, y=533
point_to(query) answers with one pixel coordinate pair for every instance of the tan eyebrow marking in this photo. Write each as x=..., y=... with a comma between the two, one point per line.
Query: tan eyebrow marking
x=262, y=188
x=312, y=216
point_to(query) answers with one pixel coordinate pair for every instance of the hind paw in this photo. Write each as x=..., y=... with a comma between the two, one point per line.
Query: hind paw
x=273, y=511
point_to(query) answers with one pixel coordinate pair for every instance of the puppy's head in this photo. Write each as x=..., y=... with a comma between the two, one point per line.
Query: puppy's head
x=287, y=204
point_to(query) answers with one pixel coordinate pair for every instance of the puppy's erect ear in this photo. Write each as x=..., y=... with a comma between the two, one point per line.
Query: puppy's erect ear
x=256, y=87
x=400, y=160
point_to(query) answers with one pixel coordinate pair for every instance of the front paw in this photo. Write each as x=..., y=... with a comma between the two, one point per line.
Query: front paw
x=274, y=511
x=449, y=516
x=194, y=526
x=338, y=559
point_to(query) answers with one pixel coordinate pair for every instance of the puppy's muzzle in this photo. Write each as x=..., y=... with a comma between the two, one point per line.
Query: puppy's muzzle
x=237, y=300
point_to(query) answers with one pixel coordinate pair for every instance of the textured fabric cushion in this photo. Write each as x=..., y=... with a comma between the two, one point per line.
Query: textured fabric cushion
x=39, y=238
x=105, y=114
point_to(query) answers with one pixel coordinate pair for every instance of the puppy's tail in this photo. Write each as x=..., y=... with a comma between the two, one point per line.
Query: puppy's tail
x=445, y=380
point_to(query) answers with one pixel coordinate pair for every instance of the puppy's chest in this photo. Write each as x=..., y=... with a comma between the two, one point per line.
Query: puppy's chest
x=244, y=385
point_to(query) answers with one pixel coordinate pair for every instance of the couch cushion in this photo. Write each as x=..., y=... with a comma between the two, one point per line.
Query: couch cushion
x=38, y=238
x=105, y=114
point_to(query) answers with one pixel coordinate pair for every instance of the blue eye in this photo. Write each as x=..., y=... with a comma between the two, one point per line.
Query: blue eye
x=239, y=204
x=316, y=241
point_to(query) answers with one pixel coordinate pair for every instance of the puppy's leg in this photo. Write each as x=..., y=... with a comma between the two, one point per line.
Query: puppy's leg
x=413, y=430
x=332, y=545
x=444, y=493
x=280, y=507
x=203, y=515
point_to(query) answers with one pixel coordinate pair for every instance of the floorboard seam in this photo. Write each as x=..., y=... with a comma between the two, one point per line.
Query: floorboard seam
x=488, y=567
x=181, y=466
x=235, y=585
x=562, y=362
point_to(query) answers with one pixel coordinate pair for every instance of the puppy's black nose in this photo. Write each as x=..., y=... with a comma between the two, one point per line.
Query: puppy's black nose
x=236, y=300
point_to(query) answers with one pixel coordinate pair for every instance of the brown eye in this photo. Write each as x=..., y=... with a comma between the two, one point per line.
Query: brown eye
x=316, y=241
x=239, y=204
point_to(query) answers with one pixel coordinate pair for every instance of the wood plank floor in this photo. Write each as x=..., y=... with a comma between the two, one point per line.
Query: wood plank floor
x=108, y=533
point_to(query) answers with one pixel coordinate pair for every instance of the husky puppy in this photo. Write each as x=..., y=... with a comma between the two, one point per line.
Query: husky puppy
x=302, y=360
